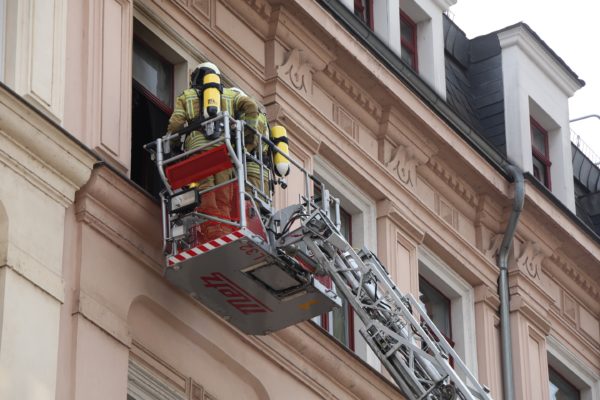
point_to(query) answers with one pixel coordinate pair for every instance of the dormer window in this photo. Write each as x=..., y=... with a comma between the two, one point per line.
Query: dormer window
x=408, y=41
x=363, y=9
x=540, y=153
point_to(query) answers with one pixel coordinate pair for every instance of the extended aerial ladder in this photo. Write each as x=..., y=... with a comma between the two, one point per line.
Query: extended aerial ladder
x=260, y=275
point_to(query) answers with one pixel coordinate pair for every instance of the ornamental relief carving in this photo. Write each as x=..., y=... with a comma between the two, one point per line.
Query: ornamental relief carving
x=494, y=246
x=403, y=164
x=530, y=260
x=297, y=73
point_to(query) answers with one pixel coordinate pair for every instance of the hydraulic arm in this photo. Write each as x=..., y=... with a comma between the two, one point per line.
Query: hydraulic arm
x=260, y=275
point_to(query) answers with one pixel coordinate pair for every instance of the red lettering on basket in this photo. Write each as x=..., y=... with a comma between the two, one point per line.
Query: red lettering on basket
x=243, y=301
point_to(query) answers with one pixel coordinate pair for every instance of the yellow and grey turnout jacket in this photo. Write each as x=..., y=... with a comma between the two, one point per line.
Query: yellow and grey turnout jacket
x=188, y=107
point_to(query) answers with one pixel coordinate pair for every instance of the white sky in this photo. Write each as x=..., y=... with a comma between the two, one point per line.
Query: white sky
x=571, y=29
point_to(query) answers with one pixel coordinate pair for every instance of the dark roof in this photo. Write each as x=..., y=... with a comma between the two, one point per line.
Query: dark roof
x=474, y=90
x=474, y=86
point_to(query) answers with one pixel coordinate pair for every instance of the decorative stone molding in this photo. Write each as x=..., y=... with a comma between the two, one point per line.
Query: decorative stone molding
x=356, y=92
x=493, y=248
x=452, y=180
x=487, y=295
x=41, y=151
x=123, y=214
x=297, y=72
x=403, y=164
x=570, y=308
x=345, y=121
x=202, y=6
x=530, y=260
x=262, y=7
x=581, y=279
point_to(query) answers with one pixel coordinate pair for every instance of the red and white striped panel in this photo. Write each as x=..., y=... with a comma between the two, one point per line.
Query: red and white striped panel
x=203, y=248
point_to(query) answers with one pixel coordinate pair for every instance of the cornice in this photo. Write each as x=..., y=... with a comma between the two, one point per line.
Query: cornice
x=581, y=279
x=522, y=38
x=453, y=181
x=355, y=92
x=118, y=210
x=309, y=344
x=41, y=151
x=387, y=209
x=445, y=4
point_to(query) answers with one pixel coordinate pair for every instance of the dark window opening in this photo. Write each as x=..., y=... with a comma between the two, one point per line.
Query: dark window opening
x=560, y=388
x=540, y=154
x=363, y=9
x=408, y=41
x=438, y=308
x=151, y=108
x=339, y=322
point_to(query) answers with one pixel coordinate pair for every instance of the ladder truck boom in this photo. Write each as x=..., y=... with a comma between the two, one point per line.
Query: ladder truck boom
x=260, y=275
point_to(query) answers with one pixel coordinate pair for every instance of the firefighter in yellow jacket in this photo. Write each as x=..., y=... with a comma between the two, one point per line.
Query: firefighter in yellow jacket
x=187, y=108
x=253, y=168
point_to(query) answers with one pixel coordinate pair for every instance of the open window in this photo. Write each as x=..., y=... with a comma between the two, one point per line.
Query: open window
x=151, y=107
x=159, y=73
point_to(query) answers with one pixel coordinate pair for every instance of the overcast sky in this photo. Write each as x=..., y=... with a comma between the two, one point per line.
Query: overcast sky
x=571, y=29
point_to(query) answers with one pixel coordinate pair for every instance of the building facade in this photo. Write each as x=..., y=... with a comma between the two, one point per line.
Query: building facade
x=408, y=122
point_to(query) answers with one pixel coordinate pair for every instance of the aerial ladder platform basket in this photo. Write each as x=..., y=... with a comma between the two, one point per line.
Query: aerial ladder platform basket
x=259, y=275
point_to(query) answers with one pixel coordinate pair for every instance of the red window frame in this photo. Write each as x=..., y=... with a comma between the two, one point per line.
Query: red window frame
x=538, y=155
x=364, y=12
x=410, y=45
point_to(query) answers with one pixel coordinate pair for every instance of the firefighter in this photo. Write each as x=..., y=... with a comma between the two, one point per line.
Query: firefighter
x=262, y=127
x=189, y=107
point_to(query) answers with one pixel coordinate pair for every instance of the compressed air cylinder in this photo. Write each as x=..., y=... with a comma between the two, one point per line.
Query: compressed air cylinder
x=211, y=95
x=279, y=138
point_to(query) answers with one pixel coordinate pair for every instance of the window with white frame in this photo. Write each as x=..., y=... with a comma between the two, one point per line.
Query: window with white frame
x=569, y=377
x=449, y=301
x=359, y=215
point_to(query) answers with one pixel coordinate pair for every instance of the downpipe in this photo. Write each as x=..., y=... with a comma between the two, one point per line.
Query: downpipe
x=508, y=384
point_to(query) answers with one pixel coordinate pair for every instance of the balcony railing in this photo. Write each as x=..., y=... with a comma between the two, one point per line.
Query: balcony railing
x=584, y=148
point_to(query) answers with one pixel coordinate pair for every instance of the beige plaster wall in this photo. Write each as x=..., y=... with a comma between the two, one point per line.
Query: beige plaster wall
x=40, y=170
x=339, y=103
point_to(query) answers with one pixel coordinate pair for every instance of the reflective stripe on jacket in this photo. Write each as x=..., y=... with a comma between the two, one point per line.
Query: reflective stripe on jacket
x=187, y=107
